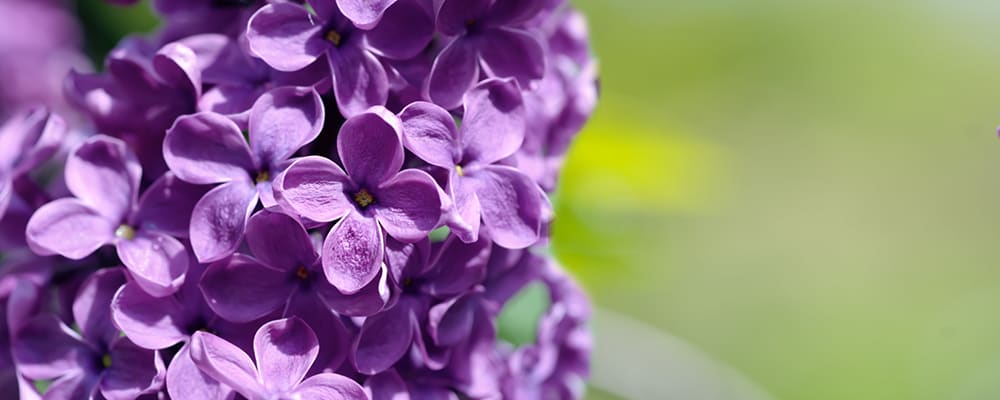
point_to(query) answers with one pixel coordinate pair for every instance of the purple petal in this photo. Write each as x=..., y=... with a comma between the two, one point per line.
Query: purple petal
x=176, y=64
x=233, y=101
x=405, y=30
x=157, y=261
x=226, y=363
x=512, y=206
x=367, y=301
x=166, y=206
x=242, y=290
x=6, y=188
x=409, y=206
x=359, y=79
x=407, y=260
x=455, y=70
x=134, y=371
x=465, y=217
x=207, y=148
x=151, y=322
x=45, y=348
x=91, y=309
x=286, y=36
x=429, y=132
x=459, y=266
x=384, y=338
x=352, y=252
x=74, y=385
x=501, y=43
x=370, y=147
x=283, y=120
x=69, y=228
x=511, y=12
x=285, y=350
x=387, y=385
x=280, y=241
x=365, y=14
x=493, y=125
x=454, y=15
x=219, y=220
x=104, y=174
x=333, y=337
x=314, y=187
x=451, y=322
x=186, y=381
x=330, y=386
x=29, y=138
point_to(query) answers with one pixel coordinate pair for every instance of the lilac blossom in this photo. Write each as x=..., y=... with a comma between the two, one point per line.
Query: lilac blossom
x=371, y=199
x=103, y=176
x=485, y=34
x=26, y=141
x=94, y=362
x=207, y=148
x=289, y=38
x=284, y=350
x=507, y=201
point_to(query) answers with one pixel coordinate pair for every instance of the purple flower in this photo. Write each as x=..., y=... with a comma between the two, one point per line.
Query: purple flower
x=289, y=38
x=95, y=362
x=507, y=201
x=485, y=34
x=284, y=351
x=207, y=148
x=103, y=176
x=157, y=323
x=26, y=141
x=371, y=199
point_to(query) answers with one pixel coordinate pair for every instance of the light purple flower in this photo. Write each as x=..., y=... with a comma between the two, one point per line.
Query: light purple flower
x=95, y=362
x=209, y=149
x=371, y=199
x=103, y=176
x=486, y=34
x=289, y=38
x=509, y=203
x=26, y=140
x=284, y=351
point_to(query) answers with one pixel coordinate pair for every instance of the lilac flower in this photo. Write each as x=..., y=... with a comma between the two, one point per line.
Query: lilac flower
x=26, y=141
x=508, y=202
x=93, y=363
x=289, y=38
x=485, y=34
x=284, y=350
x=138, y=97
x=103, y=175
x=208, y=148
x=371, y=199
x=158, y=323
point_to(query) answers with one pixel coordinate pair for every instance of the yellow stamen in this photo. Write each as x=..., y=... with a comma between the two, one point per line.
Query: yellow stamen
x=263, y=176
x=302, y=272
x=364, y=198
x=458, y=170
x=333, y=37
x=106, y=360
x=125, y=232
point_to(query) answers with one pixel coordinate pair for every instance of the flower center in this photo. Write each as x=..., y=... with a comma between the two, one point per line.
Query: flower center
x=458, y=170
x=125, y=232
x=302, y=272
x=263, y=176
x=364, y=198
x=106, y=360
x=334, y=37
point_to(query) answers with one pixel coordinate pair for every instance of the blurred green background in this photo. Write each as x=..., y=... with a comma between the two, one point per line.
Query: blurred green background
x=797, y=194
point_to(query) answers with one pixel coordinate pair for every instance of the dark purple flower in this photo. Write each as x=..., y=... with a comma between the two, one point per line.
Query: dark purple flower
x=289, y=38
x=507, y=201
x=284, y=351
x=209, y=149
x=371, y=199
x=486, y=34
x=93, y=363
x=140, y=94
x=103, y=176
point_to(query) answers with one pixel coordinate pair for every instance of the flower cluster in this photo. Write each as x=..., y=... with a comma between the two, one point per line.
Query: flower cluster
x=329, y=199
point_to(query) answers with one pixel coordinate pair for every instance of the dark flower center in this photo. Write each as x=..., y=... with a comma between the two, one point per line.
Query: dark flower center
x=106, y=361
x=263, y=176
x=125, y=231
x=363, y=198
x=334, y=37
x=302, y=273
